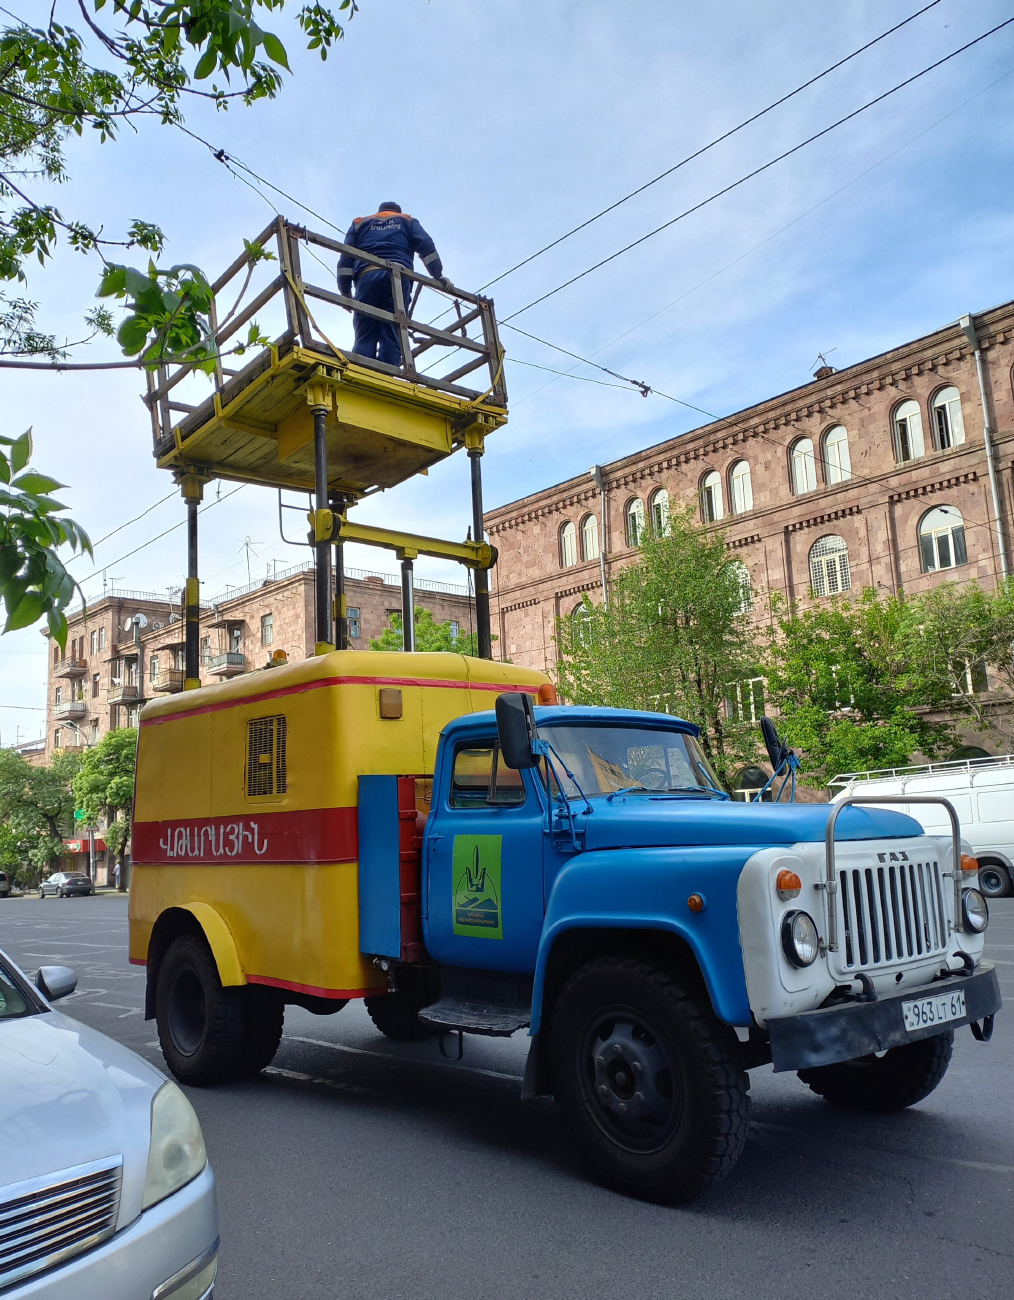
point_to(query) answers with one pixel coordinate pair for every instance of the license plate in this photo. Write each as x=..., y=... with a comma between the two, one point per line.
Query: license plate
x=934, y=1011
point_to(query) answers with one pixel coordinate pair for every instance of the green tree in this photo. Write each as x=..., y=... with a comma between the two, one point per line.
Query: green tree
x=104, y=788
x=36, y=812
x=430, y=635
x=675, y=634
x=853, y=681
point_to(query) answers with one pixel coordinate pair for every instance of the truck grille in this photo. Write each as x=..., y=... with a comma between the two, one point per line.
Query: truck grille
x=892, y=913
x=49, y=1219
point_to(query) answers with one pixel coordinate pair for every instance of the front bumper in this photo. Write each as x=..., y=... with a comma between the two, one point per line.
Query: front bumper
x=853, y=1029
x=133, y=1264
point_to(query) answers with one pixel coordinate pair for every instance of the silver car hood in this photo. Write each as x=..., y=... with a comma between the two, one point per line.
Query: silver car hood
x=68, y=1095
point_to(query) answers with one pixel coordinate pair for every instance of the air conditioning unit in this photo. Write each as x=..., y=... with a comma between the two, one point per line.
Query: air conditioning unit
x=158, y=623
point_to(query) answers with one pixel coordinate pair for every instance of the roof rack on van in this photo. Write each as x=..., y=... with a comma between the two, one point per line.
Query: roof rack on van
x=958, y=765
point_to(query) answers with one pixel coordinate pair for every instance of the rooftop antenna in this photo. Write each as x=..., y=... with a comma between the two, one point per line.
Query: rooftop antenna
x=248, y=546
x=824, y=368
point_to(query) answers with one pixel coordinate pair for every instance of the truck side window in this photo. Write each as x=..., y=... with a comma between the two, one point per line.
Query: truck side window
x=479, y=779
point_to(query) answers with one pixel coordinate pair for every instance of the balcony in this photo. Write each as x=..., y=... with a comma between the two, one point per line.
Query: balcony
x=168, y=680
x=70, y=668
x=227, y=665
x=125, y=693
x=71, y=709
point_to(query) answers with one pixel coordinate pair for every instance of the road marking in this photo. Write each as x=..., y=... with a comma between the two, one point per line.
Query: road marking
x=402, y=1060
x=910, y=1155
x=310, y=1078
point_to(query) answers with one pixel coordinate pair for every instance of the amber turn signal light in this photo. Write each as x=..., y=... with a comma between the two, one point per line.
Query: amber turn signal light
x=696, y=902
x=788, y=885
x=547, y=694
x=969, y=863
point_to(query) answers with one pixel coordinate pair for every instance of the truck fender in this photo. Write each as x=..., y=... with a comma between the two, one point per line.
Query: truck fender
x=182, y=919
x=646, y=890
x=220, y=941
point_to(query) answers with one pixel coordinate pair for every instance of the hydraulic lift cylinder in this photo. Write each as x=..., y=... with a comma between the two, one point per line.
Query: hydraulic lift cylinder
x=324, y=618
x=192, y=491
x=407, y=606
x=483, y=637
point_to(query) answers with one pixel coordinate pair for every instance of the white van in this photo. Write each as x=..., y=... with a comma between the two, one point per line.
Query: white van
x=982, y=793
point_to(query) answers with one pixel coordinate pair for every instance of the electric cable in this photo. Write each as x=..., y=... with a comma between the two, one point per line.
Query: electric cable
x=120, y=527
x=758, y=170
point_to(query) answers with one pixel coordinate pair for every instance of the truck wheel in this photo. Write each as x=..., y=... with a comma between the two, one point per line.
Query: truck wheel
x=200, y=1023
x=262, y=1031
x=396, y=1015
x=899, y=1078
x=650, y=1082
x=994, y=880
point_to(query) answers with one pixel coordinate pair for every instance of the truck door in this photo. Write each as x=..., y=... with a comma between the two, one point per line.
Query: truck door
x=484, y=895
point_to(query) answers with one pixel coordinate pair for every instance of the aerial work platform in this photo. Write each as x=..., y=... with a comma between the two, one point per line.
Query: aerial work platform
x=307, y=413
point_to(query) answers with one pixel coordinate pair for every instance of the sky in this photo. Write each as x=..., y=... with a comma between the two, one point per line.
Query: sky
x=503, y=125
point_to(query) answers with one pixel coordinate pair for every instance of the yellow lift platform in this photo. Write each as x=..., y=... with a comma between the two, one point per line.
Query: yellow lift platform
x=307, y=415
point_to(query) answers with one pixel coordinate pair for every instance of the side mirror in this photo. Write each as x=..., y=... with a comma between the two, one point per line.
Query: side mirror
x=55, y=982
x=777, y=749
x=515, y=729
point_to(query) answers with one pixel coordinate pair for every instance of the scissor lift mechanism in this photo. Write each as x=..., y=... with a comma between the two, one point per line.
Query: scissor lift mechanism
x=308, y=415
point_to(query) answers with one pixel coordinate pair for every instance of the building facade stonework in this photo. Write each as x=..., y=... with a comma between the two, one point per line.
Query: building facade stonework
x=873, y=476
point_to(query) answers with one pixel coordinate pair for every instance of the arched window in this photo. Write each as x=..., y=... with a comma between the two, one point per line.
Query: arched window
x=712, y=506
x=804, y=468
x=942, y=539
x=635, y=521
x=742, y=488
x=580, y=621
x=660, y=510
x=589, y=538
x=568, y=545
x=837, y=464
x=829, y=566
x=745, y=591
x=908, y=439
x=947, y=422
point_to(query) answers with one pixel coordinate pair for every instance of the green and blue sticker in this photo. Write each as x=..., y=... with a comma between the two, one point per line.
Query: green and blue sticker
x=476, y=900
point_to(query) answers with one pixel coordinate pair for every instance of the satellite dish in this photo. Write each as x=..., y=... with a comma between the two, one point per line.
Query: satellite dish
x=128, y=624
x=141, y=620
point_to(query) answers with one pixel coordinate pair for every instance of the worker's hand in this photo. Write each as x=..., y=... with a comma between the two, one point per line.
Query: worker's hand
x=445, y=283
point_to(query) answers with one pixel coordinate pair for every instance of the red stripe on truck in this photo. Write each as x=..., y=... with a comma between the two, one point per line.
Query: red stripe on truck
x=304, y=836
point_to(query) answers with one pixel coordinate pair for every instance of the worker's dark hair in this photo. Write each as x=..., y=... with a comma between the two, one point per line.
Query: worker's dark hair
x=389, y=207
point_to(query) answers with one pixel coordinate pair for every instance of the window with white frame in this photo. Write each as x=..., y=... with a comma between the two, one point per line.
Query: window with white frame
x=590, y=537
x=267, y=629
x=742, y=488
x=58, y=697
x=942, y=539
x=744, y=700
x=712, y=505
x=804, y=466
x=455, y=629
x=837, y=463
x=102, y=638
x=352, y=615
x=829, y=566
x=153, y=667
x=579, y=620
x=742, y=576
x=568, y=546
x=635, y=521
x=94, y=731
x=948, y=424
x=93, y=641
x=660, y=510
x=971, y=676
x=205, y=649
x=57, y=739
x=909, y=443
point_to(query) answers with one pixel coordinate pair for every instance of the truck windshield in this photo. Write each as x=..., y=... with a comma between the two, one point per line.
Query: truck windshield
x=605, y=759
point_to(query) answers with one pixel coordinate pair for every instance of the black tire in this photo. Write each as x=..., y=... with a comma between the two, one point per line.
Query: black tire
x=994, y=880
x=60, y=893
x=396, y=1015
x=265, y=1013
x=899, y=1078
x=617, y=1021
x=200, y=1023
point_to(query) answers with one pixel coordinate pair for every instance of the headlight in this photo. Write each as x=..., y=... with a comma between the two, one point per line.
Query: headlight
x=799, y=938
x=176, y=1153
x=974, y=911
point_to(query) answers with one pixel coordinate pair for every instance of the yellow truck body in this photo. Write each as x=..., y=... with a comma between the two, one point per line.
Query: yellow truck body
x=246, y=798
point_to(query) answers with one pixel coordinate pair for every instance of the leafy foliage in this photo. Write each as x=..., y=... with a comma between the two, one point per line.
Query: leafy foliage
x=36, y=812
x=673, y=636
x=34, y=582
x=104, y=786
x=430, y=635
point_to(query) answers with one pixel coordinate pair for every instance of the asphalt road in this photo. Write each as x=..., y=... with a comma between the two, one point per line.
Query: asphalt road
x=356, y=1167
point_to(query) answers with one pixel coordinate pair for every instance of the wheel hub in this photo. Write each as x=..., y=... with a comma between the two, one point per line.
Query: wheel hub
x=632, y=1082
x=186, y=1012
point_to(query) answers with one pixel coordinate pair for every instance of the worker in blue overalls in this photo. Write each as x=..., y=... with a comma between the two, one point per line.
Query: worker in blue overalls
x=397, y=237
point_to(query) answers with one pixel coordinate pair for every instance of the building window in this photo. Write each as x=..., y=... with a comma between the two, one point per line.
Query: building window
x=56, y=655
x=236, y=639
x=742, y=575
x=660, y=510
x=57, y=739
x=267, y=629
x=947, y=421
x=58, y=697
x=454, y=628
x=829, y=567
x=972, y=678
x=95, y=731
x=93, y=642
x=712, y=506
x=942, y=539
x=568, y=546
x=102, y=638
x=804, y=467
x=95, y=686
x=635, y=521
x=742, y=488
x=745, y=700
x=153, y=669
x=133, y=715
x=589, y=538
x=579, y=622
x=908, y=439
x=352, y=615
x=205, y=649
x=837, y=463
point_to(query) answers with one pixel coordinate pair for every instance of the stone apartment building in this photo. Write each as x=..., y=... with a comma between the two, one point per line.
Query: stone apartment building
x=873, y=476
x=128, y=646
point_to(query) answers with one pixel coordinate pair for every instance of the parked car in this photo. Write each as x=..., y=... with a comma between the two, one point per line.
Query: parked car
x=981, y=791
x=105, y=1188
x=5, y=884
x=66, y=884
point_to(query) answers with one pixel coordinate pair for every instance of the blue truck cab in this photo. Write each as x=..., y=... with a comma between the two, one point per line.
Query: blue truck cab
x=583, y=875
